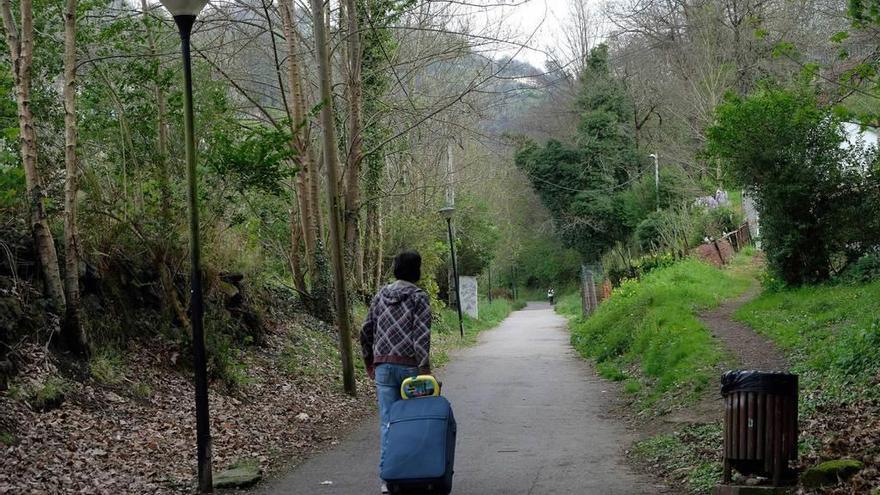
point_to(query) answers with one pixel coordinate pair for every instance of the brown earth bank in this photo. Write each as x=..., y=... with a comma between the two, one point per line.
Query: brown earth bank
x=138, y=435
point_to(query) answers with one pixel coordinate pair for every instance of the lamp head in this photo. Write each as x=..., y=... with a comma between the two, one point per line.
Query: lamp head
x=652, y=155
x=447, y=211
x=184, y=7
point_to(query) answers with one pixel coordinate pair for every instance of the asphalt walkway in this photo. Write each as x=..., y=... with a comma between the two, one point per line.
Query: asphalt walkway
x=532, y=419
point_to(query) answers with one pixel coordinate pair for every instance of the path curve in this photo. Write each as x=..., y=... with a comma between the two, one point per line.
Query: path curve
x=530, y=420
x=752, y=351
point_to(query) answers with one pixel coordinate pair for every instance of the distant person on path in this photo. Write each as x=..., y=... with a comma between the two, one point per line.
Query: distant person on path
x=396, y=337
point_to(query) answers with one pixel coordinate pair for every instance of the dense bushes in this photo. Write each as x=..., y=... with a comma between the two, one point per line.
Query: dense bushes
x=817, y=196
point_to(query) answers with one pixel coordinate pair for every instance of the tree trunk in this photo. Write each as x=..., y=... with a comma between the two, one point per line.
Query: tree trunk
x=301, y=140
x=331, y=161
x=21, y=55
x=373, y=249
x=299, y=280
x=355, y=146
x=169, y=290
x=378, y=239
x=74, y=336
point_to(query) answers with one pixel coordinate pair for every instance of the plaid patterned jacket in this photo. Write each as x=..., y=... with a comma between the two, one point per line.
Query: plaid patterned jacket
x=398, y=327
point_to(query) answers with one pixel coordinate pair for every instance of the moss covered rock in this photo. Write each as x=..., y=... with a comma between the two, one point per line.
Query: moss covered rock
x=239, y=475
x=830, y=472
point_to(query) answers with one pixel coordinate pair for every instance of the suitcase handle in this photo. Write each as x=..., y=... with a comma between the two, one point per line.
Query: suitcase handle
x=419, y=386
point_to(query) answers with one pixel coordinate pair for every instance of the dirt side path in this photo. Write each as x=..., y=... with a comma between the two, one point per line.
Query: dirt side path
x=750, y=350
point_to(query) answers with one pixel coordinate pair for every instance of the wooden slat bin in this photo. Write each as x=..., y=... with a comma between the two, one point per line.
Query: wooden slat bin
x=760, y=423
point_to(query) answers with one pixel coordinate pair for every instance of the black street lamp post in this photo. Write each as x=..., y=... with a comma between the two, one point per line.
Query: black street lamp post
x=447, y=214
x=185, y=12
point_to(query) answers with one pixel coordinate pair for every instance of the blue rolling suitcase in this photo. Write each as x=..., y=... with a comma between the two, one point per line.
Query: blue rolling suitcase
x=420, y=447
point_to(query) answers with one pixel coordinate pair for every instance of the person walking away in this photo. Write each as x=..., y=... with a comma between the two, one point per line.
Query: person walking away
x=396, y=337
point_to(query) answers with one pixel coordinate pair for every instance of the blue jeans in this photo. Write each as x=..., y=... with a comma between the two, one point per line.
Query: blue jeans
x=389, y=377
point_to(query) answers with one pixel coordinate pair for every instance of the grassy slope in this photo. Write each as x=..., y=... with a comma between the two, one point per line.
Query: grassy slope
x=831, y=333
x=647, y=333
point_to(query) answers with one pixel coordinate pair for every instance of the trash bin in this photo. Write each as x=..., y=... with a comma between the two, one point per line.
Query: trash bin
x=760, y=423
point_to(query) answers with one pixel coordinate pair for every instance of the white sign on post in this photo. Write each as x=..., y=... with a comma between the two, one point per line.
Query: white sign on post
x=469, y=298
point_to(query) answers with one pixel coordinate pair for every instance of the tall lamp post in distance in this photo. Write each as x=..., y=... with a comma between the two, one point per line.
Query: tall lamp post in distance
x=185, y=12
x=656, y=179
x=447, y=213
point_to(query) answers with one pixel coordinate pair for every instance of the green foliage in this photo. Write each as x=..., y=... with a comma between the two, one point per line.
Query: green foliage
x=713, y=223
x=141, y=390
x=476, y=235
x=639, y=200
x=649, y=328
x=649, y=231
x=569, y=304
x=107, y=367
x=581, y=185
x=864, y=269
x=689, y=456
x=817, y=199
x=47, y=395
x=424, y=234
x=12, y=185
x=251, y=157
x=225, y=358
x=311, y=353
x=638, y=267
x=545, y=262
x=831, y=333
x=864, y=13
x=8, y=439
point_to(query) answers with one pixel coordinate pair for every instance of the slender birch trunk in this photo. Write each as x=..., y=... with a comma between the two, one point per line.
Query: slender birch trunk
x=355, y=145
x=301, y=141
x=21, y=45
x=299, y=280
x=331, y=163
x=73, y=333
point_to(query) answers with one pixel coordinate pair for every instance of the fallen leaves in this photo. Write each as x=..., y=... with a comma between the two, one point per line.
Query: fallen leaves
x=109, y=440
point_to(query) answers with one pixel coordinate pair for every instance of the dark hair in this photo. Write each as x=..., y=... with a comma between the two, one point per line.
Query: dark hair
x=408, y=266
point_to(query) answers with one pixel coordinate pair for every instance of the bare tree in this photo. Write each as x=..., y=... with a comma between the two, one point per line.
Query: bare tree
x=355, y=144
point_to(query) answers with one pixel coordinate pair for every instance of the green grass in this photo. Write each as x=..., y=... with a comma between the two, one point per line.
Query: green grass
x=689, y=457
x=49, y=394
x=445, y=336
x=141, y=390
x=648, y=332
x=107, y=367
x=569, y=305
x=312, y=354
x=831, y=333
x=7, y=439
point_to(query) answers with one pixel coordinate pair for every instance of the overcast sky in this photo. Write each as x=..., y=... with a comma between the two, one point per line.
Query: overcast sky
x=541, y=17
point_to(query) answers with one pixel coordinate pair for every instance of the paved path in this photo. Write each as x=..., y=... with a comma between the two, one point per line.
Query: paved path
x=530, y=421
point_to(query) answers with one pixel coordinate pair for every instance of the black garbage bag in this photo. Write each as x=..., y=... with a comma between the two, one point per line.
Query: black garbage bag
x=776, y=383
